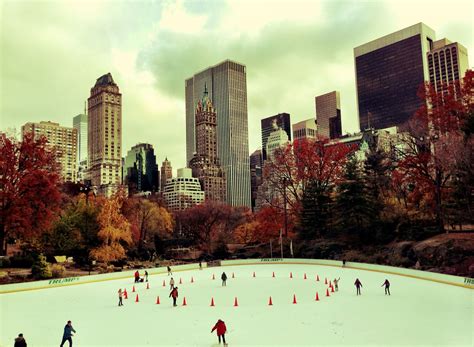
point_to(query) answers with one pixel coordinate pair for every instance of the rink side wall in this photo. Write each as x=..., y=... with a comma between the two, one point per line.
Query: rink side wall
x=464, y=282
x=70, y=281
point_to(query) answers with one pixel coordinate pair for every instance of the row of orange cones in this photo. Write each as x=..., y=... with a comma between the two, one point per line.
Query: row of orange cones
x=236, y=303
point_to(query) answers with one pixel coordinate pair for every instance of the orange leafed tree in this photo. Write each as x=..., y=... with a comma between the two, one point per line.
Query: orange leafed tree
x=114, y=232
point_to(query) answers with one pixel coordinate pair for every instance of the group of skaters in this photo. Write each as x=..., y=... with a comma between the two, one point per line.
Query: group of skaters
x=358, y=285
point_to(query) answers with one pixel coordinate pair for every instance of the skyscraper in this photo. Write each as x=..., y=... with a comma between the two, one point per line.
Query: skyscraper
x=282, y=120
x=278, y=138
x=64, y=142
x=105, y=135
x=227, y=90
x=140, y=169
x=79, y=123
x=305, y=129
x=389, y=73
x=447, y=64
x=205, y=162
x=328, y=115
x=166, y=173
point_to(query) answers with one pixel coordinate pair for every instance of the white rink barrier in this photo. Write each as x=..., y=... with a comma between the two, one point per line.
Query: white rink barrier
x=69, y=281
x=465, y=282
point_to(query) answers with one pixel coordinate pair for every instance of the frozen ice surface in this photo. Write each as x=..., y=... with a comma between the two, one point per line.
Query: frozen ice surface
x=418, y=313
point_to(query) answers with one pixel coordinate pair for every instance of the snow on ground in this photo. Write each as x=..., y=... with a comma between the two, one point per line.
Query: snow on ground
x=417, y=313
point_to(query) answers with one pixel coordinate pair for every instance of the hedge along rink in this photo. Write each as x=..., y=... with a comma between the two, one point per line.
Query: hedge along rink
x=464, y=282
x=71, y=281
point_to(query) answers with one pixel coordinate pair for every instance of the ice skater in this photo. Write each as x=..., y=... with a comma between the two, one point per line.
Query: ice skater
x=336, y=284
x=221, y=330
x=387, y=286
x=137, y=276
x=358, y=284
x=20, y=341
x=120, y=295
x=224, y=279
x=146, y=275
x=67, y=335
x=171, y=283
x=200, y=265
x=174, y=294
x=343, y=262
x=169, y=271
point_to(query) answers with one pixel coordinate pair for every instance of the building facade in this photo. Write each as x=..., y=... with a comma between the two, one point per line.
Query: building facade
x=328, y=115
x=64, y=142
x=105, y=135
x=227, y=89
x=79, y=122
x=166, y=173
x=183, y=191
x=278, y=138
x=305, y=129
x=389, y=72
x=141, y=170
x=256, y=175
x=282, y=120
x=447, y=63
x=205, y=162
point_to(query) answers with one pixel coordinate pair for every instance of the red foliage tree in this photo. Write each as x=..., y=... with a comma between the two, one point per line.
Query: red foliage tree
x=295, y=166
x=29, y=188
x=436, y=145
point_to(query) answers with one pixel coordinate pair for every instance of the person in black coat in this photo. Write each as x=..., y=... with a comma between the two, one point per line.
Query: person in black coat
x=387, y=287
x=224, y=279
x=20, y=341
x=67, y=336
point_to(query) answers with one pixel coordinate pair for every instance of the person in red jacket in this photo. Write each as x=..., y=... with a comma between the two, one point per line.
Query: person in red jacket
x=174, y=294
x=358, y=285
x=221, y=330
x=387, y=286
x=137, y=276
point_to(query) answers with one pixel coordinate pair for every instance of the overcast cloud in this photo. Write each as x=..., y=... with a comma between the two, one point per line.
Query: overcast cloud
x=53, y=51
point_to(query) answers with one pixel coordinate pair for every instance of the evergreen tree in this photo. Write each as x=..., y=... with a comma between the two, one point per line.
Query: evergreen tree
x=355, y=212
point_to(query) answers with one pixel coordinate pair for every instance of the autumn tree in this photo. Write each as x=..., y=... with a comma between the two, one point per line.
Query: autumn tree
x=148, y=220
x=434, y=150
x=114, y=231
x=305, y=172
x=29, y=193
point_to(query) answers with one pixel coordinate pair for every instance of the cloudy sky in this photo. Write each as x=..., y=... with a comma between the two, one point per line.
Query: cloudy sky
x=51, y=53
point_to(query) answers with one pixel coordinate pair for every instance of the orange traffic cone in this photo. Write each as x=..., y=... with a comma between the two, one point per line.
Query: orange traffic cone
x=136, y=299
x=212, y=302
x=327, y=292
x=332, y=289
x=270, y=303
x=147, y=285
x=235, y=302
x=305, y=276
x=291, y=275
x=157, y=300
x=180, y=282
x=133, y=289
x=317, y=296
x=184, y=301
x=164, y=285
x=192, y=279
x=254, y=274
x=317, y=278
x=325, y=280
x=125, y=294
x=233, y=275
x=273, y=274
x=294, y=299
x=213, y=277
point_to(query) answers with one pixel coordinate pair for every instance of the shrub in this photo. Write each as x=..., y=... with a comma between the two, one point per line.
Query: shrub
x=41, y=268
x=4, y=262
x=57, y=270
x=23, y=261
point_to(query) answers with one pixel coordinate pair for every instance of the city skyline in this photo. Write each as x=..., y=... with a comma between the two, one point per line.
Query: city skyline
x=292, y=53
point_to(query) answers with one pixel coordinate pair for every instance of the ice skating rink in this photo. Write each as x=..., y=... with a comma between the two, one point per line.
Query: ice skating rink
x=418, y=313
